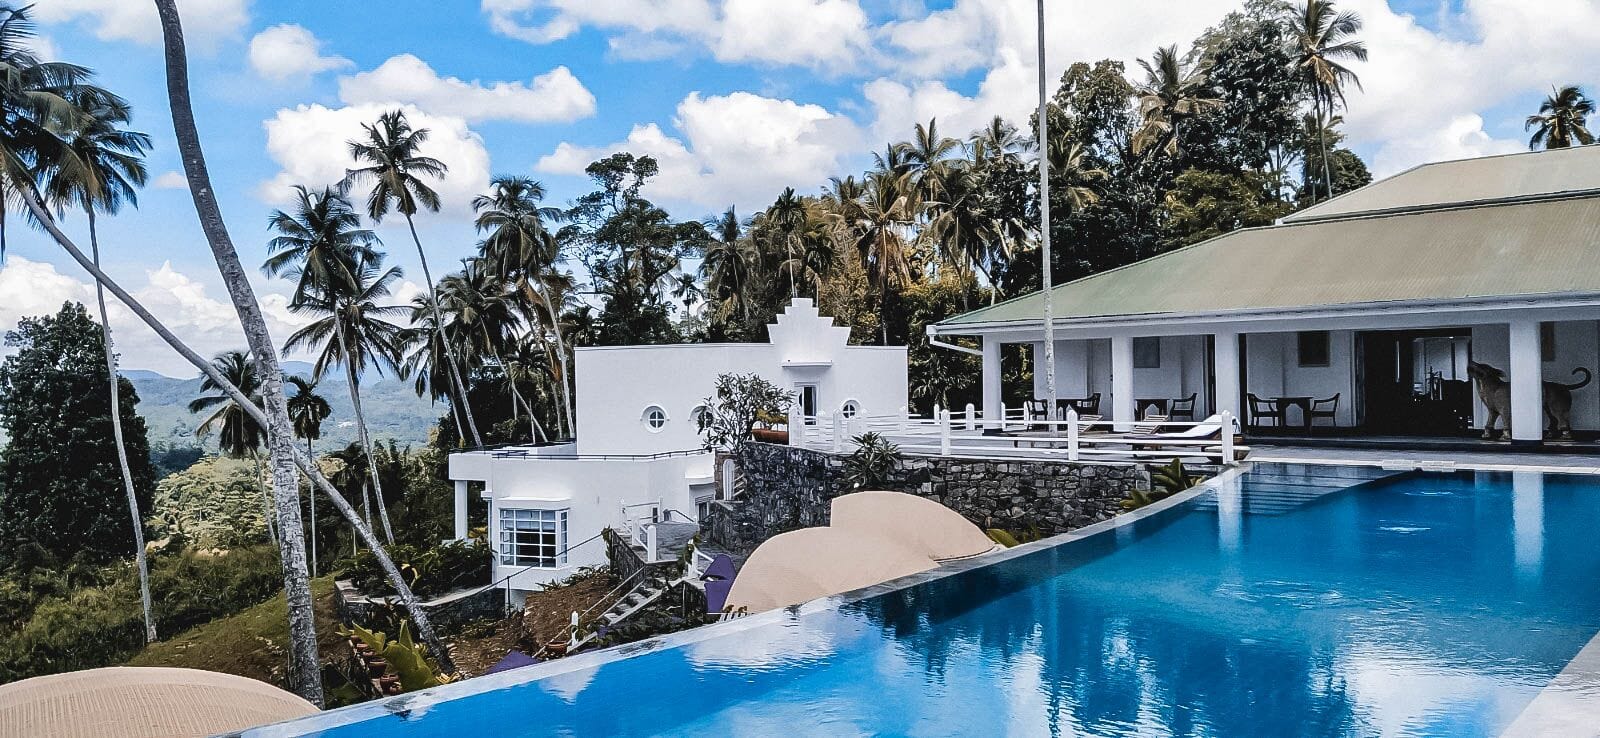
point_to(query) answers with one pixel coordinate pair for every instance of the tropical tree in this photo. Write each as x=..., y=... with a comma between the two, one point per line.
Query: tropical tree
x=325, y=248
x=728, y=268
x=320, y=243
x=882, y=212
x=788, y=216
x=352, y=331
x=25, y=99
x=1324, y=41
x=1172, y=92
x=523, y=250
x=393, y=163
x=481, y=309
x=928, y=157
x=238, y=434
x=308, y=410
x=1563, y=119
x=99, y=167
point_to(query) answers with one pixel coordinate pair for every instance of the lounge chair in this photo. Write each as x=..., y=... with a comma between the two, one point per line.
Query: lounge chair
x=1206, y=430
x=1152, y=424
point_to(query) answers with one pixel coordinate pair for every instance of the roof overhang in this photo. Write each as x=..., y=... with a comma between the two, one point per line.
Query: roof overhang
x=1400, y=313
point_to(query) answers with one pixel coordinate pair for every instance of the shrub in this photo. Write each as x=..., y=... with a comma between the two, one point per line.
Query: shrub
x=741, y=400
x=870, y=465
x=1166, y=480
x=429, y=572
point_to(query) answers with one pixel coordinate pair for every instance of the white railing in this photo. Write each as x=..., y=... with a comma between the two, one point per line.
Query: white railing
x=639, y=525
x=1012, y=434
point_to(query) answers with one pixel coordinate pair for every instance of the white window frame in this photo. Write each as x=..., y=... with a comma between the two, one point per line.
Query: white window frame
x=850, y=408
x=645, y=418
x=531, y=553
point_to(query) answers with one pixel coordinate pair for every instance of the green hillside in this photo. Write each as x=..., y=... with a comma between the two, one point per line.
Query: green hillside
x=394, y=412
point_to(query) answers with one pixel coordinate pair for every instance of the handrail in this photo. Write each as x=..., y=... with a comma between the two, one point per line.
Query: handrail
x=600, y=457
x=526, y=569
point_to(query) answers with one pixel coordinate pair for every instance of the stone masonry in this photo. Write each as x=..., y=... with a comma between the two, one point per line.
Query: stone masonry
x=790, y=488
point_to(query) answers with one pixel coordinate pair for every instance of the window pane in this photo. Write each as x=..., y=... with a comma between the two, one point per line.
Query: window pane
x=1314, y=348
x=1147, y=353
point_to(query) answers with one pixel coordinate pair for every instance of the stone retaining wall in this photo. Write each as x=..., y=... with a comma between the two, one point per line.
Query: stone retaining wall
x=791, y=488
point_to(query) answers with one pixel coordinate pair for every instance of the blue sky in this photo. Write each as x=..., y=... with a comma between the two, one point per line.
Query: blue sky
x=737, y=98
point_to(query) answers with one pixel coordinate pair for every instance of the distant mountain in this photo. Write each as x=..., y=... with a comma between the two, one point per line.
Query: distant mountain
x=393, y=409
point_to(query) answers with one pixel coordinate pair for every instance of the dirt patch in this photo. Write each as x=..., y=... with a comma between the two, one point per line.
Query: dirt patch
x=546, y=615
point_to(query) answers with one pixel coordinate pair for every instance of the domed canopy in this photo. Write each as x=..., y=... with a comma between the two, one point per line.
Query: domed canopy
x=915, y=522
x=802, y=565
x=153, y=702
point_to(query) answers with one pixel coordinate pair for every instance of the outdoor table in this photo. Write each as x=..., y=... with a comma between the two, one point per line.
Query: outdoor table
x=1302, y=402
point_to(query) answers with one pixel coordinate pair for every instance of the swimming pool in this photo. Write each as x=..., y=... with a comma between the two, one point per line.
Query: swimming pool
x=1290, y=600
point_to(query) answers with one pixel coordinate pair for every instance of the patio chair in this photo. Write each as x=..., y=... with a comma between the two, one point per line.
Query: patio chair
x=1036, y=410
x=1326, y=408
x=1087, y=406
x=1152, y=424
x=1183, y=409
x=1263, y=410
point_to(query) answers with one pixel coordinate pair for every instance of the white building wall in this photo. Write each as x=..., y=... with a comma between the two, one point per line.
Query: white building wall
x=615, y=385
x=1274, y=371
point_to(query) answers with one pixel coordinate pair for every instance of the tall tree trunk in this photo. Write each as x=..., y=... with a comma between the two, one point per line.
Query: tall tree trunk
x=139, y=557
x=1322, y=144
x=361, y=430
x=534, y=428
x=268, y=513
x=561, y=353
x=311, y=492
x=449, y=350
x=41, y=214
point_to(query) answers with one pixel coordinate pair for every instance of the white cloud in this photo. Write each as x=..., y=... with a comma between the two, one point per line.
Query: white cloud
x=738, y=149
x=204, y=21
x=828, y=34
x=207, y=324
x=555, y=96
x=288, y=51
x=1462, y=137
x=825, y=34
x=173, y=180
x=308, y=142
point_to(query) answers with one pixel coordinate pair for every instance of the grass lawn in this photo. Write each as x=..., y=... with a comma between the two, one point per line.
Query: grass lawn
x=249, y=644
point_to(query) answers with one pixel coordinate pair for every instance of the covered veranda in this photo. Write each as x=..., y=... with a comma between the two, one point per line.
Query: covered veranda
x=1359, y=316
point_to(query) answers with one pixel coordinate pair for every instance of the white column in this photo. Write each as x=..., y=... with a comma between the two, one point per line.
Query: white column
x=1225, y=371
x=1527, y=378
x=991, y=383
x=1122, y=410
x=461, y=510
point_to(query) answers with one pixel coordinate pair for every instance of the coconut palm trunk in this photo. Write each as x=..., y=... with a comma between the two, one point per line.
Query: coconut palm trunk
x=311, y=493
x=561, y=355
x=407, y=598
x=449, y=350
x=304, y=672
x=268, y=513
x=1322, y=146
x=535, y=430
x=361, y=429
x=139, y=557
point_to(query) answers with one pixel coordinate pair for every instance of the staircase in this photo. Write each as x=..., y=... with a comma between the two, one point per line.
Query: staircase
x=1269, y=492
x=638, y=598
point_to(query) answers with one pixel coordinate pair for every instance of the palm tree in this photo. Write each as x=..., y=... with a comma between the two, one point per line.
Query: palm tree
x=1171, y=93
x=728, y=268
x=480, y=307
x=880, y=215
x=325, y=248
x=307, y=410
x=996, y=140
x=238, y=434
x=788, y=214
x=320, y=243
x=353, y=333
x=927, y=157
x=1562, y=119
x=1324, y=40
x=522, y=249
x=396, y=168
x=98, y=168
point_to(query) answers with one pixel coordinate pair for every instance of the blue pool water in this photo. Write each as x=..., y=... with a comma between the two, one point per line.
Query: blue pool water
x=1294, y=601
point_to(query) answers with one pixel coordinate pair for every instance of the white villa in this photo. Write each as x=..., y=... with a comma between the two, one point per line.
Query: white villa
x=1371, y=303
x=638, y=457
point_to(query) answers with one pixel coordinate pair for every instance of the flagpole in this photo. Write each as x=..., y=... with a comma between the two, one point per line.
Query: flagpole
x=1044, y=228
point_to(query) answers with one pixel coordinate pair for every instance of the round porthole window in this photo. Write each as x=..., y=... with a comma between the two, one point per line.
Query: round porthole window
x=655, y=418
x=850, y=409
x=698, y=417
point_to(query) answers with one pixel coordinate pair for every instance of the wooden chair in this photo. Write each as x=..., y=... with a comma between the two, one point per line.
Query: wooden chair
x=1036, y=411
x=1263, y=410
x=1182, y=409
x=1326, y=408
x=1085, y=406
x=1151, y=424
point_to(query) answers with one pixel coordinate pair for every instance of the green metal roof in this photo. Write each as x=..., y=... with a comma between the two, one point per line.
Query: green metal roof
x=1469, y=180
x=1468, y=251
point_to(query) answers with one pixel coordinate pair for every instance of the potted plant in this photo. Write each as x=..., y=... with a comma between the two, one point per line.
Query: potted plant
x=376, y=666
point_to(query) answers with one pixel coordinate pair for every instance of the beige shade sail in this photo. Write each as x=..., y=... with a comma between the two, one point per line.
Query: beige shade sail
x=916, y=522
x=803, y=565
x=154, y=702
